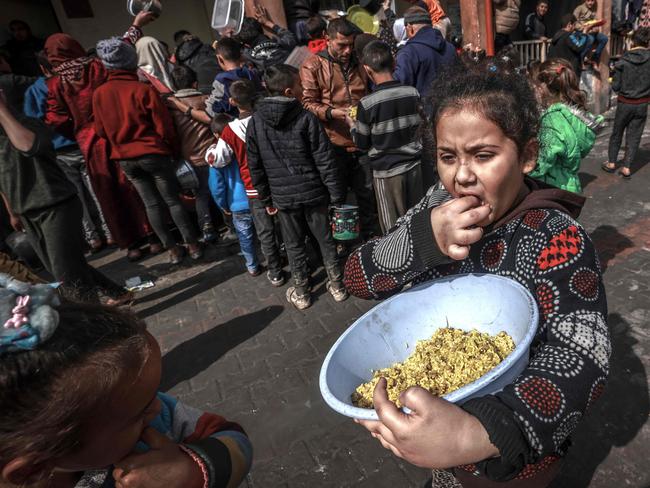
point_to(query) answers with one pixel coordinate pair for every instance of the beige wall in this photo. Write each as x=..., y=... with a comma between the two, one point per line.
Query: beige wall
x=111, y=18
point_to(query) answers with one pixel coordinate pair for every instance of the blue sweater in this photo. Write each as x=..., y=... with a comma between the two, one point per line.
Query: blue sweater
x=227, y=188
x=35, y=106
x=422, y=57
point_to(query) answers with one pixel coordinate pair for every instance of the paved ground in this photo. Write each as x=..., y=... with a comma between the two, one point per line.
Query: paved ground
x=232, y=344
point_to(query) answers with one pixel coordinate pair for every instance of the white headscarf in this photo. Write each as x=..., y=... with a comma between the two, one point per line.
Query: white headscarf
x=399, y=31
x=152, y=58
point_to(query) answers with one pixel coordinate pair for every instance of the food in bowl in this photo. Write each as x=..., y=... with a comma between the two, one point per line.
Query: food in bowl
x=449, y=360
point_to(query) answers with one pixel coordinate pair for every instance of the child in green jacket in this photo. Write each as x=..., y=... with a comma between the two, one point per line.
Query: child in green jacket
x=567, y=131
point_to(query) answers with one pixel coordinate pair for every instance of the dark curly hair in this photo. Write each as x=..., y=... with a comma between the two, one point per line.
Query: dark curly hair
x=499, y=94
x=48, y=395
x=250, y=30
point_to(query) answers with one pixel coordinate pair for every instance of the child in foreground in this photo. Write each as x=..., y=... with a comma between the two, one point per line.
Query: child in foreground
x=81, y=408
x=567, y=131
x=489, y=217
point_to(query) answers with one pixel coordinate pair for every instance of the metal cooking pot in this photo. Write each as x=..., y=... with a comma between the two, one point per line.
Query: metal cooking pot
x=136, y=6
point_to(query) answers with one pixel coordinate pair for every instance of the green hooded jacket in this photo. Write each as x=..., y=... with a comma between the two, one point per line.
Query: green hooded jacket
x=566, y=135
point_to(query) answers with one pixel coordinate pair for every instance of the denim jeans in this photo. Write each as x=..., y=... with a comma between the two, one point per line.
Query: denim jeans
x=154, y=179
x=243, y=222
x=600, y=40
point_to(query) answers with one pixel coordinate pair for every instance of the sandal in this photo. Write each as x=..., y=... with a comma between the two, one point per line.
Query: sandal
x=124, y=299
x=626, y=176
x=134, y=255
x=607, y=168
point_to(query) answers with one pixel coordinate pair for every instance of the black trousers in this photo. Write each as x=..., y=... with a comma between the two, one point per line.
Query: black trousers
x=355, y=172
x=155, y=181
x=57, y=238
x=265, y=230
x=629, y=118
x=295, y=224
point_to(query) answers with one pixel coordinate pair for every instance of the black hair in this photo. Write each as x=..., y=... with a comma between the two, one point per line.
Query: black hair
x=378, y=57
x=315, y=26
x=24, y=24
x=49, y=394
x=244, y=93
x=361, y=41
x=179, y=36
x=539, y=2
x=229, y=49
x=41, y=59
x=183, y=77
x=280, y=77
x=250, y=30
x=503, y=97
x=567, y=19
x=219, y=122
x=343, y=27
x=641, y=37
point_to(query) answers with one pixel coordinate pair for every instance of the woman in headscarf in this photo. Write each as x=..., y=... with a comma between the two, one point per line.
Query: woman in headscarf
x=69, y=110
x=153, y=61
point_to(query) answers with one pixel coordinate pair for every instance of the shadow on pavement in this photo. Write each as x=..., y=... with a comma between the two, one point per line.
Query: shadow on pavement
x=616, y=418
x=188, y=288
x=609, y=242
x=190, y=358
x=586, y=178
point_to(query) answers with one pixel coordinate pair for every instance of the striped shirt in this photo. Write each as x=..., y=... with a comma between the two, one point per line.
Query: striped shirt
x=387, y=123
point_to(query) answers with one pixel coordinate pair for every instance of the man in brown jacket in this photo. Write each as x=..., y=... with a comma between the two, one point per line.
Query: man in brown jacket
x=333, y=82
x=195, y=138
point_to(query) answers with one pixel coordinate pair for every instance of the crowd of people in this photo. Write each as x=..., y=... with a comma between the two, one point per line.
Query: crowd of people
x=457, y=164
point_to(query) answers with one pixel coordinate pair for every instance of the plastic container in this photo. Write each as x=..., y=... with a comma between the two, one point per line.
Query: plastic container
x=363, y=19
x=136, y=6
x=345, y=222
x=388, y=333
x=228, y=15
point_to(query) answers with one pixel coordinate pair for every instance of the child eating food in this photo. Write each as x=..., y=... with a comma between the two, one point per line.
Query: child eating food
x=487, y=216
x=80, y=406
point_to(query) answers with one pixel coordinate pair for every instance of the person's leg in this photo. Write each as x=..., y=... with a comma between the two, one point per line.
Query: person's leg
x=93, y=196
x=71, y=162
x=265, y=229
x=587, y=48
x=319, y=224
x=160, y=167
x=202, y=198
x=383, y=204
x=363, y=190
x=144, y=184
x=414, y=188
x=600, y=40
x=294, y=231
x=634, y=133
x=243, y=222
x=621, y=119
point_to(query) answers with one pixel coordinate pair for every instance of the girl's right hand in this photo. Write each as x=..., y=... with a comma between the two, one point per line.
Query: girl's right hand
x=454, y=225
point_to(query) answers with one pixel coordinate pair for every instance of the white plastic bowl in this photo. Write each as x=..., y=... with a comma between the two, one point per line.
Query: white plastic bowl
x=388, y=333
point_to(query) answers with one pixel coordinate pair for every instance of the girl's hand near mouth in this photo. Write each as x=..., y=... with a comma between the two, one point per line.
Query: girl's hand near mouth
x=454, y=225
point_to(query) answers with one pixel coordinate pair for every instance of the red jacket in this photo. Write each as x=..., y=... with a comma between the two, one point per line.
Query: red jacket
x=132, y=117
x=235, y=135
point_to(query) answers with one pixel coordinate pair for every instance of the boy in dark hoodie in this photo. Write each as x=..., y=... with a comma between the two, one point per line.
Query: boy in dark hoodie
x=293, y=169
x=632, y=84
x=568, y=43
x=229, y=57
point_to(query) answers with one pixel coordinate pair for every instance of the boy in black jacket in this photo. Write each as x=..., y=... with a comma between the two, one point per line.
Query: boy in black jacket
x=568, y=43
x=632, y=84
x=293, y=169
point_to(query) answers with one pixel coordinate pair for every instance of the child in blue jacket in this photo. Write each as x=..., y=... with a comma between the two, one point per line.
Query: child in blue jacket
x=229, y=193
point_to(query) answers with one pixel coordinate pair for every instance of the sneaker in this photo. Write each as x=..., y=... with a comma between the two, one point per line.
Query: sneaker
x=196, y=251
x=301, y=302
x=255, y=272
x=275, y=279
x=176, y=254
x=209, y=234
x=339, y=294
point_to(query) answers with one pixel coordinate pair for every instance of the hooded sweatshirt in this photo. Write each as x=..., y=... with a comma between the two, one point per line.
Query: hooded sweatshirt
x=632, y=76
x=565, y=137
x=568, y=46
x=290, y=157
x=540, y=245
x=201, y=59
x=422, y=57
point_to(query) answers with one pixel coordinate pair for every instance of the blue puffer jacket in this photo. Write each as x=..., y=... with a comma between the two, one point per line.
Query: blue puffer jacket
x=422, y=57
x=227, y=188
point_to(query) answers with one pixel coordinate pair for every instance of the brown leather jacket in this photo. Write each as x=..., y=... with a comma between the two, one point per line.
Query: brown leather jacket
x=327, y=86
x=194, y=136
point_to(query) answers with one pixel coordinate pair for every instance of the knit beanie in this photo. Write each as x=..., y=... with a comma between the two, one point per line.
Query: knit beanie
x=117, y=54
x=417, y=16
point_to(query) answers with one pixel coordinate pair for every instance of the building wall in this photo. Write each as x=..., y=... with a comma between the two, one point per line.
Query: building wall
x=111, y=18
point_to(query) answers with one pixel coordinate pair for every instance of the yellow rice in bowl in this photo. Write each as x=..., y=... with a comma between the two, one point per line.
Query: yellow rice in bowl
x=451, y=359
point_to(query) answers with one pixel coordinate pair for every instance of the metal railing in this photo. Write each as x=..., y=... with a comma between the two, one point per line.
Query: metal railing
x=529, y=50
